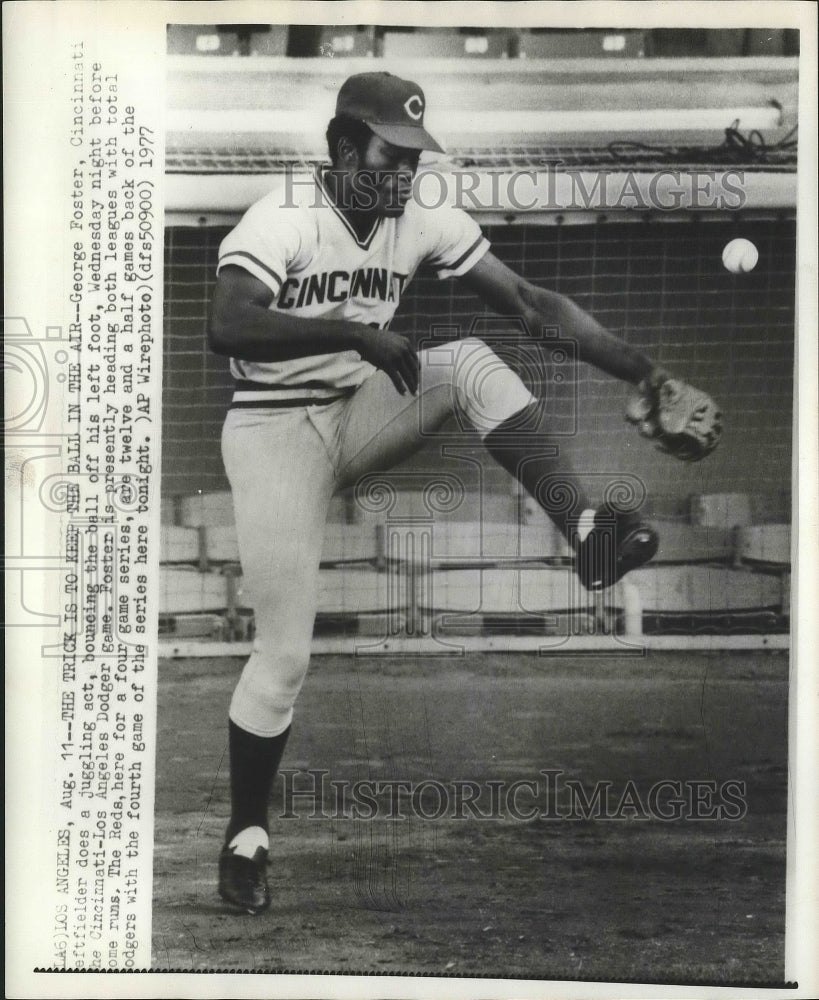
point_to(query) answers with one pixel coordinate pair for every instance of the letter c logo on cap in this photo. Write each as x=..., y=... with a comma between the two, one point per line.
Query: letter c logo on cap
x=419, y=104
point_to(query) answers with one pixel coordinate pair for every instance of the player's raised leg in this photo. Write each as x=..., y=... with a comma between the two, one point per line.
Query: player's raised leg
x=608, y=542
x=382, y=428
x=469, y=377
x=282, y=481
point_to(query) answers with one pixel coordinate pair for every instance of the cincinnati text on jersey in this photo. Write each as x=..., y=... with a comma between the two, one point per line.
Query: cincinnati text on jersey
x=339, y=286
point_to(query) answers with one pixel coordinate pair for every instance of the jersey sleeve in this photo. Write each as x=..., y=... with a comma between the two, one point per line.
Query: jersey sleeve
x=456, y=243
x=266, y=242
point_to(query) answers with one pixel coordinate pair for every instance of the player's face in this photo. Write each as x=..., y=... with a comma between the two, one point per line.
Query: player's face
x=389, y=171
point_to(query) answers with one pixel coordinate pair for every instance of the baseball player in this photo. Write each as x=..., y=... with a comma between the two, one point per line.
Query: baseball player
x=307, y=284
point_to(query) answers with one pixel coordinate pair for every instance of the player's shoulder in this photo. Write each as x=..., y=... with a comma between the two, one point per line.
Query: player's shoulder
x=431, y=215
x=288, y=194
x=287, y=210
x=433, y=225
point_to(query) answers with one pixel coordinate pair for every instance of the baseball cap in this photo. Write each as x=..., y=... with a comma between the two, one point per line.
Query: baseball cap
x=393, y=108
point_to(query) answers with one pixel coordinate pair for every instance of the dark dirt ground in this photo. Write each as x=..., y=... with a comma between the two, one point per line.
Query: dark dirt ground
x=638, y=899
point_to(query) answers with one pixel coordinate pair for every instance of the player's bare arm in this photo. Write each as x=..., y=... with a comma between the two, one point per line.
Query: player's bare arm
x=241, y=325
x=508, y=294
x=681, y=420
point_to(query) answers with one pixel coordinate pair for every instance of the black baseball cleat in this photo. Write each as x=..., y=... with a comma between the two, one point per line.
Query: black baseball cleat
x=243, y=881
x=617, y=544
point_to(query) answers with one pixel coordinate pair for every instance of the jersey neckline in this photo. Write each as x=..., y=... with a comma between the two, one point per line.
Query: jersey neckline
x=364, y=242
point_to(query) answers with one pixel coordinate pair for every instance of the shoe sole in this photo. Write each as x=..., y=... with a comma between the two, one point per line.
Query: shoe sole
x=253, y=911
x=636, y=549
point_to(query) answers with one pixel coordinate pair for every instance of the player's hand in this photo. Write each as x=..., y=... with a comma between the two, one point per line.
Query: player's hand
x=393, y=354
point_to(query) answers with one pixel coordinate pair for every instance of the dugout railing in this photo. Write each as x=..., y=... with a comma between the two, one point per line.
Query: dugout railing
x=384, y=583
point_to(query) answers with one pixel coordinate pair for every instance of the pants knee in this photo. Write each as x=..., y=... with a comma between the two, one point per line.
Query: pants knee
x=475, y=364
x=263, y=700
x=461, y=365
x=472, y=344
x=472, y=356
x=487, y=389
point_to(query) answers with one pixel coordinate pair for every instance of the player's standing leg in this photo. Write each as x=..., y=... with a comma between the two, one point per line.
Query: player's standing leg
x=281, y=479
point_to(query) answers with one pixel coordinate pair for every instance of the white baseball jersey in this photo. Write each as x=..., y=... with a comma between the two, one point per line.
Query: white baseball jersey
x=300, y=245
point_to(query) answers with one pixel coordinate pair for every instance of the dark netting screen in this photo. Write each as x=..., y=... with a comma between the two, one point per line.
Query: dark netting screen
x=660, y=284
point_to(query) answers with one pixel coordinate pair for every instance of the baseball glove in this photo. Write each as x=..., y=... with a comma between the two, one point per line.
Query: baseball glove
x=681, y=420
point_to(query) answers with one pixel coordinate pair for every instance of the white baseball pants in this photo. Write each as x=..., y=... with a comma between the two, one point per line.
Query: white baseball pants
x=284, y=465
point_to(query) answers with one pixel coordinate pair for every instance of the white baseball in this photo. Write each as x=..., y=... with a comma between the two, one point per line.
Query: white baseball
x=740, y=256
